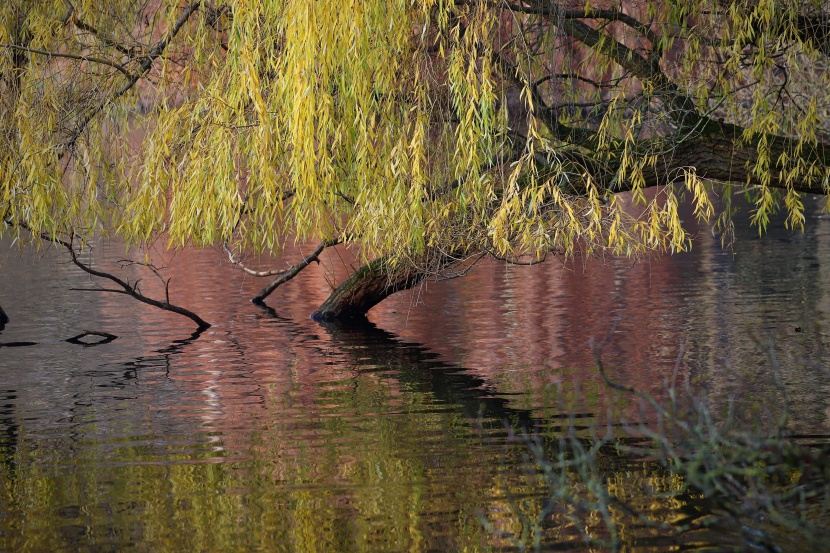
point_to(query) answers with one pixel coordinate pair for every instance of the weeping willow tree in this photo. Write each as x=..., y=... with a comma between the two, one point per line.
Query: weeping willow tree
x=425, y=134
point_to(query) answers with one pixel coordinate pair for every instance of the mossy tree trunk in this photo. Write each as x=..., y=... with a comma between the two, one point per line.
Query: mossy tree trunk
x=371, y=284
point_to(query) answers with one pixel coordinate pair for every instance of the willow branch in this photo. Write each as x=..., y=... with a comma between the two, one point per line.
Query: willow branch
x=146, y=64
x=683, y=106
x=294, y=270
x=576, y=135
x=645, y=69
x=126, y=288
x=588, y=13
x=445, y=275
x=234, y=261
x=79, y=57
x=104, y=40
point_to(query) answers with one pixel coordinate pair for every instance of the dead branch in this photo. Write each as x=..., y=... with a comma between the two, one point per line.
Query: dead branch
x=238, y=262
x=165, y=281
x=291, y=272
x=126, y=288
x=105, y=338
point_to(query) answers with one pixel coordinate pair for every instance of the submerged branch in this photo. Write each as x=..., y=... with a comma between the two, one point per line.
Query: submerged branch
x=238, y=262
x=291, y=272
x=126, y=288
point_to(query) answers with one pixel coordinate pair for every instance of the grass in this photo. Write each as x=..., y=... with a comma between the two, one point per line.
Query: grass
x=680, y=476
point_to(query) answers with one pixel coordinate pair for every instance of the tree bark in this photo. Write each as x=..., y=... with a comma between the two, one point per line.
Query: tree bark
x=716, y=154
x=364, y=289
x=369, y=285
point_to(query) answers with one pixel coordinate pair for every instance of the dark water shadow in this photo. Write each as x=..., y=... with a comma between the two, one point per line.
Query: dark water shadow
x=91, y=338
x=16, y=344
x=418, y=369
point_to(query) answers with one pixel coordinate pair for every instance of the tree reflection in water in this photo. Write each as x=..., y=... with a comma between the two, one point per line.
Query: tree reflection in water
x=272, y=433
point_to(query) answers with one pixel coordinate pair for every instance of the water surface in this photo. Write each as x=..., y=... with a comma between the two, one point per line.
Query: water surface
x=271, y=432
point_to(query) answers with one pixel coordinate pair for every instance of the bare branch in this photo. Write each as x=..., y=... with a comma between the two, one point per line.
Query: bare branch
x=234, y=261
x=294, y=270
x=114, y=291
x=589, y=13
x=146, y=64
x=450, y=275
x=128, y=289
x=128, y=262
x=104, y=40
x=79, y=57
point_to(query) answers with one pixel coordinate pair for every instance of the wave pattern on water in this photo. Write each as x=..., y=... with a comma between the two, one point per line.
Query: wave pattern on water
x=270, y=432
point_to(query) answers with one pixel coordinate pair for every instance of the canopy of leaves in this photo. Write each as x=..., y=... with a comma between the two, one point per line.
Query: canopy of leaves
x=404, y=125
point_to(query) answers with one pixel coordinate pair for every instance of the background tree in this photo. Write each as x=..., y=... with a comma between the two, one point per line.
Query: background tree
x=424, y=134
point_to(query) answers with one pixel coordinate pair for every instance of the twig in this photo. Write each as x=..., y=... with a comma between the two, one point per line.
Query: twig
x=292, y=271
x=234, y=261
x=443, y=275
x=79, y=57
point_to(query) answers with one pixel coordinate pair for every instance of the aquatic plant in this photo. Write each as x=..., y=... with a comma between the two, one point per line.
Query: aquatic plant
x=742, y=486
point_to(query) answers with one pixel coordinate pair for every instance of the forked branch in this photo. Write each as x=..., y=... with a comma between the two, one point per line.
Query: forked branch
x=124, y=286
x=144, y=67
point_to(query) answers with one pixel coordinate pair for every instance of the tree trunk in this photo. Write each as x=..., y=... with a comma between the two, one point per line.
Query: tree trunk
x=368, y=286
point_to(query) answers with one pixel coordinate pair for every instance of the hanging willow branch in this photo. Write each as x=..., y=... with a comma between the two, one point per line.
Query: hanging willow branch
x=500, y=127
x=145, y=66
x=125, y=286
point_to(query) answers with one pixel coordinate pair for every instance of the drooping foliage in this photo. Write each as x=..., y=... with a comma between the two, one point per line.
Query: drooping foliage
x=405, y=125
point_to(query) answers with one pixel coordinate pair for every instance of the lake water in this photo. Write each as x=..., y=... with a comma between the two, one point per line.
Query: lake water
x=271, y=432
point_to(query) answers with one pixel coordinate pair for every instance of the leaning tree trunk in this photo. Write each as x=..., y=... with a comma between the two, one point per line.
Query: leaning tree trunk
x=373, y=283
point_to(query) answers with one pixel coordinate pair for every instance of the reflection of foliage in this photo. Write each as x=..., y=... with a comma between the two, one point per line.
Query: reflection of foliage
x=757, y=487
x=379, y=455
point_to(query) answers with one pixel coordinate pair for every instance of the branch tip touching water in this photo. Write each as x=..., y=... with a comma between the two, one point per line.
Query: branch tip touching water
x=124, y=286
x=291, y=272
